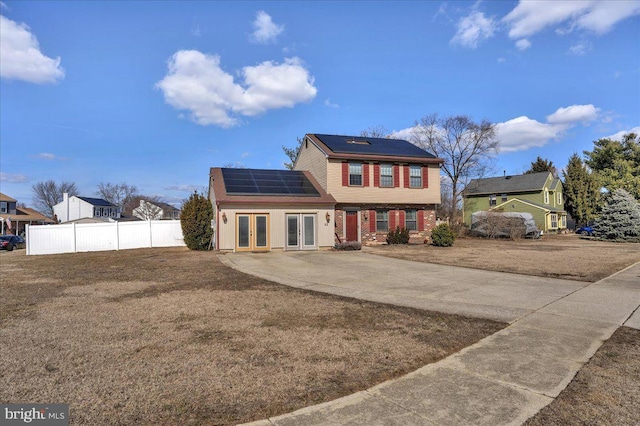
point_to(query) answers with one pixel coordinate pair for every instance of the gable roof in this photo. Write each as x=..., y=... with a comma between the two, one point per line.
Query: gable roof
x=6, y=198
x=267, y=186
x=365, y=148
x=97, y=201
x=507, y=184
x=546, y=208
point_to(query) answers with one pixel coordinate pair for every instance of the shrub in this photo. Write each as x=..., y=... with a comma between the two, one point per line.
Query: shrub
x=348, y=245
x=442, y=236
x=399, y=236
x=620, y=219
x=195, y=220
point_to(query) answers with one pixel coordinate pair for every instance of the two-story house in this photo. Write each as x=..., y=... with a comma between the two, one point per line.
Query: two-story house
x=342, y=188
x=75, y=208
x=156, y=210
x=537, y=193
x=14, y=219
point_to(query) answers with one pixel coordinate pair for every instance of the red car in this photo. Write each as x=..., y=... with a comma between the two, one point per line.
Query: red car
x=9, y=242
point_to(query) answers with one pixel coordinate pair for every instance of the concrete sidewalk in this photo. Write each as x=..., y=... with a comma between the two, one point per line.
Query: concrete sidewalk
x=555, y=327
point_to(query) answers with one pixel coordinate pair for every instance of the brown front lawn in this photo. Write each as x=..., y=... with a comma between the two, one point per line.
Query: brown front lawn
x=169, y=336
x=556, y=256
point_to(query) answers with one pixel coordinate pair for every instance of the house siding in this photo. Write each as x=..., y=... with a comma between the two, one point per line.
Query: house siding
x=372, y=194
x=313, y=160
x=277, y=232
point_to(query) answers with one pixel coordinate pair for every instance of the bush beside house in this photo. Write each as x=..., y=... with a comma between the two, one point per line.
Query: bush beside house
x=195, y=220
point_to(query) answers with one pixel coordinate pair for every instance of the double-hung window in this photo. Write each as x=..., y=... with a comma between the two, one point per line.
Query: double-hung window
x=554, y=220
x=492, y=200
x=546, y=196
x=559, y=197
x=504, y=198
x=410, y=220
x=386, y=175
x=355, y=174
x=3, y=207
x=382, y=220
x=415, y=176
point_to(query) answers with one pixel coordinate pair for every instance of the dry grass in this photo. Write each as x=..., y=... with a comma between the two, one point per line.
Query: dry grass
x=606, y=391
x=168, y=336
x=556, y=256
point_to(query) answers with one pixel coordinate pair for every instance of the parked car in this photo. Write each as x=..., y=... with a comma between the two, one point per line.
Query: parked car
x=585, y=230
x=9, y=242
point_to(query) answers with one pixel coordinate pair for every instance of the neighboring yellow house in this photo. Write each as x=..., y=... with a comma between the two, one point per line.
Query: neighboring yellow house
x=537, y=193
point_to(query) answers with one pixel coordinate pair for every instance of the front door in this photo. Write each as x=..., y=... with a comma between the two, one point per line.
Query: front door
x=352, y=226
x=252, y=232
x=301, y=231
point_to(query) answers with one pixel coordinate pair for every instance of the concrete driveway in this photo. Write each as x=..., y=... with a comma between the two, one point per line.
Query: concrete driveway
x=555, y=327
x=484, y=294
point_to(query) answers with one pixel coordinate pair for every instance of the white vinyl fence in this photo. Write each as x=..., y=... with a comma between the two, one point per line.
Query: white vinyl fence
x=72, y=237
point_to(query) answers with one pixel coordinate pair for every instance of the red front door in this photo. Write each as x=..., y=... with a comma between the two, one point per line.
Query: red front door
x=352, y=226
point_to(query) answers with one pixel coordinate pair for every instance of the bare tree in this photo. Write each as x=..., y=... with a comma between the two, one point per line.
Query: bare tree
x=467, y=148
x=292, y=153
x=378, y=131
x=117, y=194
x=47, y=194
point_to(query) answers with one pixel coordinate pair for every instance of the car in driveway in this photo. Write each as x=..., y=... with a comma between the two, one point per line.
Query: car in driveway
x=9, y=242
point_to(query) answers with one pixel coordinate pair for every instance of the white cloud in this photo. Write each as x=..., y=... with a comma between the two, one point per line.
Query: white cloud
x=182, y=188
x=13, y=178
x=327, y=102
x=574, y=114
x=245, y=154
x=580, y=48
x=618, y=136
x=599, y=16
x=501, y=60
x=265, y=30
x=523, y=44
x=3, y=6
x=473, y=29
x=404, y=134
x=196, y=83
x=21, y=58
x=46, y=156
x=522, y=133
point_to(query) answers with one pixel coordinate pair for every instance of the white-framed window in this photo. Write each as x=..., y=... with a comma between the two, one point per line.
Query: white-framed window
x=546, y=196
x=504, y=198
x=382, y=220
x=563, y=221
x=3, y=207
x=554, y=220
x=355, y=174
x=559, y=197
x=415, y=176
x=410, y=220
x=386, y=175
x=493, y=200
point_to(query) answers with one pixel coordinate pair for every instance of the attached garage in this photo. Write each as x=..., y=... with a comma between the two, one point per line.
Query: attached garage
x=263, y=210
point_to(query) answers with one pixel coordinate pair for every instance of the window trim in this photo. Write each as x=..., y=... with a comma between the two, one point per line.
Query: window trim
x=504, y=198
x=493, y=200
x=361, y=174
x=390, y=175
x=554, y=218
x=546, y=196
x=4, y=207
x=384, y=219
x=559, y=197
x=414, y=220
x=413, y=167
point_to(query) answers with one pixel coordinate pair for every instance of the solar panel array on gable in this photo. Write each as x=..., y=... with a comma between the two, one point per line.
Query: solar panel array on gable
x=268, y=182
x=372, y=146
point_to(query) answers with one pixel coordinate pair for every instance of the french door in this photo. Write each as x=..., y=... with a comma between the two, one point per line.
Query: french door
x=252, y=232
x=301, y=231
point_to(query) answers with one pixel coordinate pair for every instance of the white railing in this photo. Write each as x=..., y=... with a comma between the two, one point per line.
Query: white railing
x=72, y=237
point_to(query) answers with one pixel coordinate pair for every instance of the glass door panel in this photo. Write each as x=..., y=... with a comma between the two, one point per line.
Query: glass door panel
x=292, y=231
x=243, y=232
x=309, y=228
x=261, y=231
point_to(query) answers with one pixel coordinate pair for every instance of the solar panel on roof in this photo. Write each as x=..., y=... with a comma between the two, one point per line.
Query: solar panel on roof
x=372, y=146
x=268, y=182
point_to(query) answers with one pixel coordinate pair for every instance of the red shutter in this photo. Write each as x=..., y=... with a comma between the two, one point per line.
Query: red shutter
x=376, y=175
x=365, y=174
x=396, y=175
x=406, y=175
x=345, y=174
x=402, y=224
x=425, y=176
x=392, y=220
x=372, y=221
x=420, y=219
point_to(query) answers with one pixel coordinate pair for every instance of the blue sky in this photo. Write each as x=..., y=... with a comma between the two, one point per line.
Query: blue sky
x=155, y=93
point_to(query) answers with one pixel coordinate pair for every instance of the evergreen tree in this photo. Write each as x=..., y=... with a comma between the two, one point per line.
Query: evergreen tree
x=620, y=219
x=195, y=220
x=581, y=192
x=542, y=165
x=617, y=163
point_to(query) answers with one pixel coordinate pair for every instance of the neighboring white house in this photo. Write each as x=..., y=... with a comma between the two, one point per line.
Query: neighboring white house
x=73, y=208
x=155, y=211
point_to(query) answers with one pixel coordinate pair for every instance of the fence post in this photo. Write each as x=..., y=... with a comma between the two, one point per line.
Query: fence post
x=28, y=239
x=150, y=234
x=75, y=239
x=117, y=235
